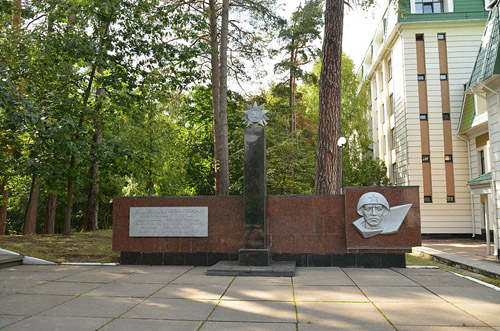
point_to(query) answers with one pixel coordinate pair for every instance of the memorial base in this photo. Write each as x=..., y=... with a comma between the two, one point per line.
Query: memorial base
x=233, y=268
x=254, y=256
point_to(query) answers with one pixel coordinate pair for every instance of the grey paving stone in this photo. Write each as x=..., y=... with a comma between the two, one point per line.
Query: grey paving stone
x=248, y=326
x=421, y=272
x=259, y=292
x=410, y=294
x=125, y=290
x=254, y=311
x=329, y=327
x=329, y=293
x=191, y=291
x=322, y=279
x=149, y=278
x=262, y=281
x=9, y=319
x=382, y=280
x=61, y=288
x=157, y=325
x=163, y=269
x=486, y=312
x=370, y=271
x=49, y=268
x=340, y=315
x=427, y=314
x=301, y=271
x=86, y=306
x=47, y=323
x=467, y=294
x=29, y=304
x=175, y=309
x=9, y=286
x=448, y=280
x=30, y=275
x=94, y=277
x=199, y=278
x=444, y=328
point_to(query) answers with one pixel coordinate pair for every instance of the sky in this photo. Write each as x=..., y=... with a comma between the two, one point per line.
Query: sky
x=359, y=29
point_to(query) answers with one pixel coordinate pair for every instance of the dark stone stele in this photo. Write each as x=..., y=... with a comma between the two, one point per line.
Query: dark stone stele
x=254, y=251
x=255, y=188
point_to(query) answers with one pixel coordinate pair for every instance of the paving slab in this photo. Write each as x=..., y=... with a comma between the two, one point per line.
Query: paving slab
x=94, y=276
x=467, y=294
x=29, y=304
x=248, y=326
x=347, y=327
x=259, y=292
x=125, y=290
x=409, y=294
x=329, y=293
x=487, y=312
x=337, y=314
x=444, y=328
x=191, y=291
x=254, y=311
x=174, y=309
x=48, y=323
x=150, y=278
x=382, y=280
x=427, y=314
x=85, y=306
x=10, y=319
x=262, y=281
x=147, y=324
x=61, y=288
x=449, y=280
x=322, y=279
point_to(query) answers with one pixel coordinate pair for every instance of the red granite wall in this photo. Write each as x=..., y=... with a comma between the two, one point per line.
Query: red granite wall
x=295, y=224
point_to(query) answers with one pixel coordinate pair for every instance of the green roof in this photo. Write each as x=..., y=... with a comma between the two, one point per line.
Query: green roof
x=487, y=60
x=481, y=178
x=468, y=113
x=463, y=10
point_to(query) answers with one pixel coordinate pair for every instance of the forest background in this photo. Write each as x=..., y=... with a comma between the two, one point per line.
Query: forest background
x=116, y=98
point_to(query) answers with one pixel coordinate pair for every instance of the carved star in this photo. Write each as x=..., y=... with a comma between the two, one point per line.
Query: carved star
x=373, y=199
x=255, y=115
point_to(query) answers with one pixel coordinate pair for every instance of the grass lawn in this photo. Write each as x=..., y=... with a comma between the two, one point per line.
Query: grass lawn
x=78, y=247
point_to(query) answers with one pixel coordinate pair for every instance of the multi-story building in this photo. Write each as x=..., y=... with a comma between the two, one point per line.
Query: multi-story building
x=417, y=67
x=480, y=126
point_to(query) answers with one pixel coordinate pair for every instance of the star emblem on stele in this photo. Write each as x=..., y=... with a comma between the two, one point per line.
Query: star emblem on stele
x=373, y=199
x=255, y=115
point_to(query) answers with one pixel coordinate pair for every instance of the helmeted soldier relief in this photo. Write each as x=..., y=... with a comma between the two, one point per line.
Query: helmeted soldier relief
x=377, y=216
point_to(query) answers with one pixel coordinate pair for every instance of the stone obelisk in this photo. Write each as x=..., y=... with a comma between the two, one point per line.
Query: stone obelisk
x=254, y=251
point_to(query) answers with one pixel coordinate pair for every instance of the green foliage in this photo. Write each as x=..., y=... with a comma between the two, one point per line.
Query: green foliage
x=359, y=168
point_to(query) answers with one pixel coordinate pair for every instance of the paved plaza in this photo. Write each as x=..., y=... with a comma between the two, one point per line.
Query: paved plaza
x=60, y=297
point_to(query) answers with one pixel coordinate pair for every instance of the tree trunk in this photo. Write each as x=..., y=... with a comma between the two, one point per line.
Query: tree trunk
x=69, y=200
x=32, y=208
x=214, y=45
x=329, y=154
x=4, y=203
x=292, y=92
x=223, y=131
x=90, y=218
x=50, y=214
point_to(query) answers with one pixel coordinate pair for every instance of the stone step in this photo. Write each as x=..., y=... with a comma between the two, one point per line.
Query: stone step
x=10, y=260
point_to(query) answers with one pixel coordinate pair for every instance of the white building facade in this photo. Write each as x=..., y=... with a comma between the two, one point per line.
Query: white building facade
x=417, y=67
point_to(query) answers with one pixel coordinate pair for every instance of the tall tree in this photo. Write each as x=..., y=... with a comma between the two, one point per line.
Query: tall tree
x=299, y=36
x=329, y=153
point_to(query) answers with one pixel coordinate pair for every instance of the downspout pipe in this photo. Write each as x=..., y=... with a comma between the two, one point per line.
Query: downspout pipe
x=493, y=174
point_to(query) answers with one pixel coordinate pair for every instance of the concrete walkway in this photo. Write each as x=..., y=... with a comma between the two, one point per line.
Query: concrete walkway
x=468, y=254
x=183, y=298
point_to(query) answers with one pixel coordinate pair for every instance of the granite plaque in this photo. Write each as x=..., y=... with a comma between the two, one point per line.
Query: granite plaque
x=168, y=222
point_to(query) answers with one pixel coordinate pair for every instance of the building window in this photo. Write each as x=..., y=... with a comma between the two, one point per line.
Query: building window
x=426, y=158
x=446, y=116
x=389, y=68
x=448, y=158
x=419, y=37
x=423, y=117
x=443, y=76
x=441, y=36
x=391, y=104
x=395, y=174
x=450, y=199
x=428, y=199
x=482, y=164
x=428, y=6
x=421, y=78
